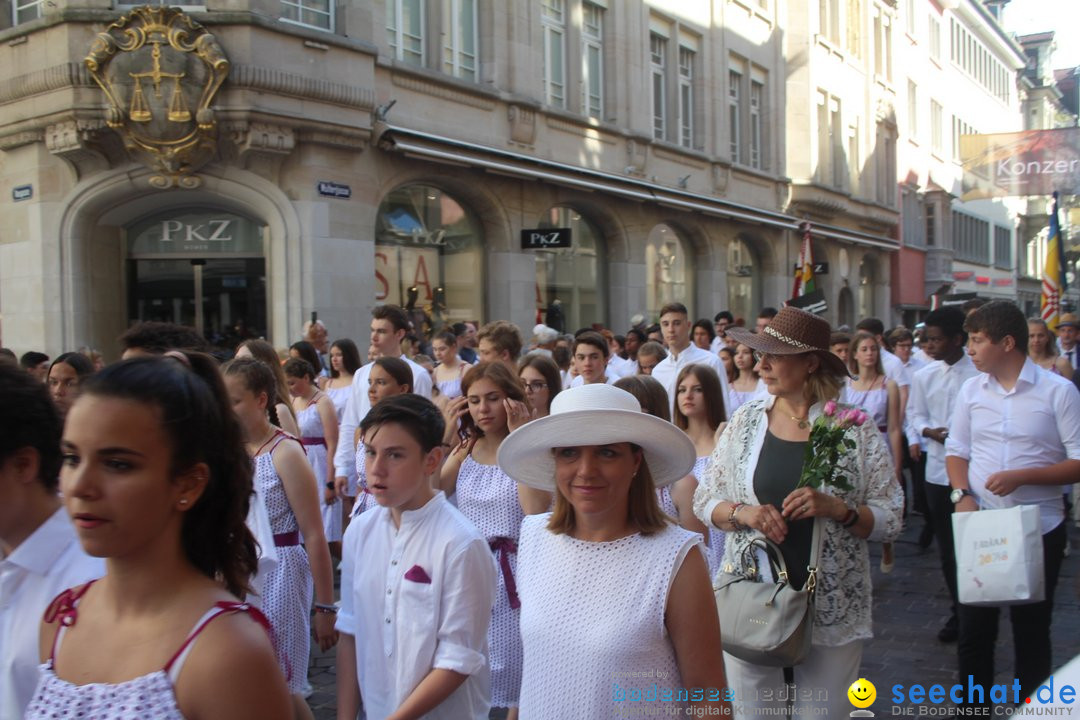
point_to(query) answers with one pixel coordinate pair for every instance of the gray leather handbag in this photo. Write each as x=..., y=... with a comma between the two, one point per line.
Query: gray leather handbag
x=767, y=623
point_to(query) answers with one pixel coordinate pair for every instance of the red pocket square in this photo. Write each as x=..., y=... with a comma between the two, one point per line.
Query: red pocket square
x=417, y=574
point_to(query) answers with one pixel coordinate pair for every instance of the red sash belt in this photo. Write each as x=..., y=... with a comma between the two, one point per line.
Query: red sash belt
x=287, y=539
x=504, y=546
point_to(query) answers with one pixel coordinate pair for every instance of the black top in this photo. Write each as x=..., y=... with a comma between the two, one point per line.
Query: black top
x=778, y=469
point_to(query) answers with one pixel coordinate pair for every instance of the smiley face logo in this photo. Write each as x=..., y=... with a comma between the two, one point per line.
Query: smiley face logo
x=862, y=693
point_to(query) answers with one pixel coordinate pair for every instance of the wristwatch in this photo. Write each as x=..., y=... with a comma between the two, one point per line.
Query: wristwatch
x=958, y=494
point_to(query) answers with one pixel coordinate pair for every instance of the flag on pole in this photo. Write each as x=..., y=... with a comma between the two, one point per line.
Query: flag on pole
x=804, y=273
x=1053, y=281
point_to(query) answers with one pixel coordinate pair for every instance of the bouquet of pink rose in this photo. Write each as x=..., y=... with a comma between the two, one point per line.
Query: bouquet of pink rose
x=828, y=439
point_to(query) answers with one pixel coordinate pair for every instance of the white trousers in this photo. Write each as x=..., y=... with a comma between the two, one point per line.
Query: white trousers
x=820, y=686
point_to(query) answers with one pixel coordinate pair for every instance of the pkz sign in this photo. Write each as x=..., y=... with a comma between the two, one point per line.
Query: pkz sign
x=195, y=234
x=543, y=238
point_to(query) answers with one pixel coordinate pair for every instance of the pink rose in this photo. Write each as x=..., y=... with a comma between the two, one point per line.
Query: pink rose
x=830, y=408
x=860, y=417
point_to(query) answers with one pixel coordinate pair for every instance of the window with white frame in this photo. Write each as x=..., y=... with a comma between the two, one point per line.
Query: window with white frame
x=405, y=30
x=735, y=79
x=657, y=66
x=26, y=10
x=824, y=148
x=909, y=17
x=686, y=96
x=934, y=36
x=757, y=138
x=839, y=160
x=913, y=110
x=459, y=38
x=553, y=21
x=310, y=13
x=829, y=20
x=882, y=44
x=854, y=27
x=937, y=134
x=592, y=59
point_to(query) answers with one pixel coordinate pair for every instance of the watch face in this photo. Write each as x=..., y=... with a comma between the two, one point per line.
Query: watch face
x=956, y=495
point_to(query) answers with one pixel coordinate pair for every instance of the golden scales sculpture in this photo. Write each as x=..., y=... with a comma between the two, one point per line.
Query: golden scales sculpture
x=185, y=139
x=140, y=110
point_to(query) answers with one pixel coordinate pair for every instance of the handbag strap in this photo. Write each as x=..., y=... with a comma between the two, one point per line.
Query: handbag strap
x=815, y=550
x=773, y=552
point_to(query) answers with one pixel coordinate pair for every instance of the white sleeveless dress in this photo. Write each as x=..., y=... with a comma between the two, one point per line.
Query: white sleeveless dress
x=489, y=499
x=874, y=402
x=313, y=437
x=715, y=551
x=589, y=609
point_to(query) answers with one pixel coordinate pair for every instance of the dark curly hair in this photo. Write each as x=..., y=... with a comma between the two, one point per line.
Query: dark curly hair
x=201, y=428
x=31, y=421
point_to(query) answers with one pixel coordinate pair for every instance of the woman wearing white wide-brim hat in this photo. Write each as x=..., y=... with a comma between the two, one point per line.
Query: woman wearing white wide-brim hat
x=617, y=610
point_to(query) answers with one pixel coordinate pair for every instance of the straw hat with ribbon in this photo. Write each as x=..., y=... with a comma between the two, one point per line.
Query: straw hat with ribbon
x=793, y=332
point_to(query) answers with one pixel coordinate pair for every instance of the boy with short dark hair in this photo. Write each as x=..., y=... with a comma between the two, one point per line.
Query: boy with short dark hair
x=1014, y=440
x=40, y=555
x=591, y=360
x=417, y=582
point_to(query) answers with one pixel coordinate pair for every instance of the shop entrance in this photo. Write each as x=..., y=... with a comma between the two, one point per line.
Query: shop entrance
x=204, y=269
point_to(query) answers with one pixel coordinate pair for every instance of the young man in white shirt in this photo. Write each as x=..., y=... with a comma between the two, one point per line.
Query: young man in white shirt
x=40, y=555
x=417, y=583
x=1014, y=439
x=675, y=326
x=934, y=389
x=721, y=322
x=591, y=360
x=389, y=324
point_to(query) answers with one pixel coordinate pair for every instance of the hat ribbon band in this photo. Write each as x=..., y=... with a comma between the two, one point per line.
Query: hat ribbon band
x=785, y=339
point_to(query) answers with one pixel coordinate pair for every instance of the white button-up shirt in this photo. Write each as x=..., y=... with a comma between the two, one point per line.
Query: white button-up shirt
x=356, y=409
x=667, y=370
x=934, y=390
x=1034, y=425
x=41, y=567
x=912, y=366
x=404, y=628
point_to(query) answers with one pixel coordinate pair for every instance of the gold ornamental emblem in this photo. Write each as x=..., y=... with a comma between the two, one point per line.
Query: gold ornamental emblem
x=160, y=71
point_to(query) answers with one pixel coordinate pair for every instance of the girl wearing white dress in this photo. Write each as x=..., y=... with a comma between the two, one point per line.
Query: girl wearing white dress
x=699, y=412
x=872, y=391
x=450, y=370
x=493, y=398
x=747, y=384
x=344, y=362
x=611, y=589
x=156, y=481
x=318, y=423
x=287, y=485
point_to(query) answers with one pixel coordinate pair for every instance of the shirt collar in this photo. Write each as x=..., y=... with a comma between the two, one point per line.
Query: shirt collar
x=1029, y=374
x=39, y=552
x=417, y=516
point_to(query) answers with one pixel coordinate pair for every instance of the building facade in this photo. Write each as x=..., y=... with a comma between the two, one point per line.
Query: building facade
x=429, y=153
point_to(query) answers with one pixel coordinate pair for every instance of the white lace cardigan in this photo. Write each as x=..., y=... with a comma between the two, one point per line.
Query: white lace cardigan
x=842, y=605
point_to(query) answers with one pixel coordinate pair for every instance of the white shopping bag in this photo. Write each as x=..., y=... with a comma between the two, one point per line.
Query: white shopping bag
x=999, y=556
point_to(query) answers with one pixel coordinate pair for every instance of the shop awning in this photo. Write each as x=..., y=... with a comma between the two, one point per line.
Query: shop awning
x=437, y=148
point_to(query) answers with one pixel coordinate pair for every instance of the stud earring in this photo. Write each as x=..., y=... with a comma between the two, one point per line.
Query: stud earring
x=183, y=501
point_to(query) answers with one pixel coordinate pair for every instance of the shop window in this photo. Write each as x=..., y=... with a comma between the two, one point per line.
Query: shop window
x=666, y=274
x=429, y=255
x=744, y=278
x=572, y=276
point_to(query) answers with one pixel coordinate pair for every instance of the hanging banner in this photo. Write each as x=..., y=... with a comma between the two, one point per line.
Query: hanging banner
x=1034, y=162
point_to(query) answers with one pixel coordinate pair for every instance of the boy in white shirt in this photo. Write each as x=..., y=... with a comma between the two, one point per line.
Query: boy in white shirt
x=1014, y=440
x=40, y=555
x=417, y=583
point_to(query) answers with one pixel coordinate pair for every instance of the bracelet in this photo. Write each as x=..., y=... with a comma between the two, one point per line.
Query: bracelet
x=326, y=609
x=731, y=516
x=851, y=518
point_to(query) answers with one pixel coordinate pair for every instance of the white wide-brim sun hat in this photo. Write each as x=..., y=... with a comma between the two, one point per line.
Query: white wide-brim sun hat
x=597, y=414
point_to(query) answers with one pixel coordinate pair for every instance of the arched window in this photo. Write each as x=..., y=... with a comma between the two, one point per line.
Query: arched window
x=867, y=286
x=744, y=278
x=428, y=254
x=571, y=279
x=667, y=278
x=845, y=308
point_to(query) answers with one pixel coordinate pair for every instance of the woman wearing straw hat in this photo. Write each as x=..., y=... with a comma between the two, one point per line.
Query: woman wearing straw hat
x=616, y=608
x=749, y=490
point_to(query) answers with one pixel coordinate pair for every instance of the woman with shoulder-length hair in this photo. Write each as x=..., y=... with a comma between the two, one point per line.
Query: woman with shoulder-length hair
x=1043, y=349
x=66, y=374
x=750, y=490
x=281, y=413
x=607, y=580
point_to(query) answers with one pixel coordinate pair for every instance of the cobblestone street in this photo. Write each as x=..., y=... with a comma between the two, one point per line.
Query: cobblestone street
x=910, y=605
